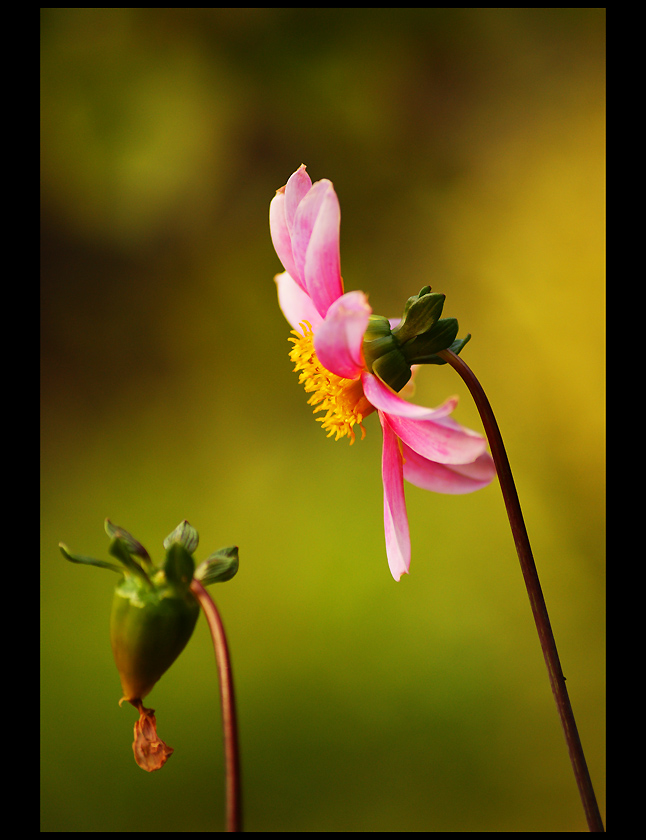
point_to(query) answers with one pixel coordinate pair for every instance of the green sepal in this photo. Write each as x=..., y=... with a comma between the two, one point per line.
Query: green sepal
x=87, y=561
x=378, y=327
x=393, y=369
x=377, y=347
x=441, y=336
x=425, y=290
x=133, y=545
x=420, y=315
x=221, y=566
x=179, y=567
x=456, y=347
x=383, y=355
x=119, y=549
x=186, y=535
x=418, y=338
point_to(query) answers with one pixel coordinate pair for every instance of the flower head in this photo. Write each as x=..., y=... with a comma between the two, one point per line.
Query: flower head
x=353, y=363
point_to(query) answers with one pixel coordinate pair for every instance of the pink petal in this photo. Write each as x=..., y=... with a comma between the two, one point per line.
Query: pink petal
x=296, y=189
x=315, y=244
x=281, y=237
x=395, y=516
x=444, y=440
x=447, y=478
x=339, y=337
x=430, y=432
x=305, y=217
x=323, y=259
x=282, y=211
x=296, y=304
x=305, y=221
x=385, y=399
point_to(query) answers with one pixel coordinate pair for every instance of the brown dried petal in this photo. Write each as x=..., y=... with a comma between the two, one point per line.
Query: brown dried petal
x=151, y=753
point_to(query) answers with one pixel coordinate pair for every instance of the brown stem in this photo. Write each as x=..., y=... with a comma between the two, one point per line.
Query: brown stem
x=532, y=583
x=229, y=724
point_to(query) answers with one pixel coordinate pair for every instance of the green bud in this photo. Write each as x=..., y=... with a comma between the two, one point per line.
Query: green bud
x=154, y=611
x=149, y=628
x=153, y=618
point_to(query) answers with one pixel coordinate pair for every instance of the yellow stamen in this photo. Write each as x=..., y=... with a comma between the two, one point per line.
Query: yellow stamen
x=343, y=400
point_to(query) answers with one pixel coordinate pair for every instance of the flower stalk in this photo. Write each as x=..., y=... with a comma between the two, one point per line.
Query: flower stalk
x=229, y=720
x=354, y=362
x=534, y=590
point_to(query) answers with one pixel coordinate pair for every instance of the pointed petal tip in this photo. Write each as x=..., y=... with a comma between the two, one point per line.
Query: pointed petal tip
x=302, y=167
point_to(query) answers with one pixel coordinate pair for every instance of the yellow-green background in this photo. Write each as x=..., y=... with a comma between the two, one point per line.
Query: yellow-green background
x=467, y=150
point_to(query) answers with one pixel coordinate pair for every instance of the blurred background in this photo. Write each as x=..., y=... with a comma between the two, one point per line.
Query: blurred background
x=467, y=150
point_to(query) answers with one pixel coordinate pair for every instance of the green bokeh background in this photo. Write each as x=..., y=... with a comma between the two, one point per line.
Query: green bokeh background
x=467, y=149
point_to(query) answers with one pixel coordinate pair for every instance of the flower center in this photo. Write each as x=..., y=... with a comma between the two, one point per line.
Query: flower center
x=343, y=400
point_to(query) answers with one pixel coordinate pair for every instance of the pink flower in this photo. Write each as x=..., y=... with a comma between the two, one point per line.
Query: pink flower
x=422, y=445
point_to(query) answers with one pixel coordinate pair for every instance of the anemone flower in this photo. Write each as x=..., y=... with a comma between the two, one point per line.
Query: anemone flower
x=425, y=446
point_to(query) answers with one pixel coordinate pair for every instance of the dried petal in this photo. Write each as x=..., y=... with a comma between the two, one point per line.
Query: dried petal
x=151, y=753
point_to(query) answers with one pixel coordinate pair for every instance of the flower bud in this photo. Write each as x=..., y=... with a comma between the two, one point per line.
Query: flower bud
x=153, y=616
x=151, y=625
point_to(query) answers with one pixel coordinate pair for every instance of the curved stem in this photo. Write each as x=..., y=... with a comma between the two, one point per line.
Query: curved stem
x=532, y=583
x=229, y=724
